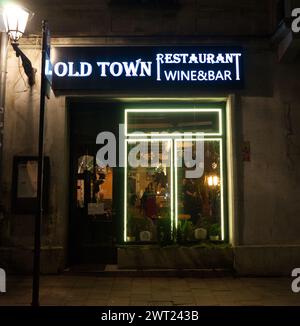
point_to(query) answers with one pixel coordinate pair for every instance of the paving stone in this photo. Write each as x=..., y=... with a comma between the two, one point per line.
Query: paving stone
x=119, y=302
x=208, y=300
x=184, y=300
x=112, y=291
x=161, y=303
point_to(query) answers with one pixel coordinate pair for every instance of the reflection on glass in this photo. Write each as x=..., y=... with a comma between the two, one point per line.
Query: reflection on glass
x=103, y=184
x=198, y=208
x=94, y=187
x=102, y=191
x=80, y=193
x=149, y=193
x=85, y=163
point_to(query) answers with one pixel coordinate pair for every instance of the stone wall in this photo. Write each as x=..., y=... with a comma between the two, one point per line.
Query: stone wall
x=20, y=138
x=155, y=17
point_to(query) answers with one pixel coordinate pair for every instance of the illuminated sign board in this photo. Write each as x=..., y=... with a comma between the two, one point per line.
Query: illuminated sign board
x=141, y=68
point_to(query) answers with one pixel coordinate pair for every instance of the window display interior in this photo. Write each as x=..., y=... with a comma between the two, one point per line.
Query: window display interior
x=94, y=187
x=198, y=206
x=148, y=200
x=188, y=209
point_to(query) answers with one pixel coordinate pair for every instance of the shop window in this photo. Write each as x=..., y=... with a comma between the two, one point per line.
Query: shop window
x=167, y=199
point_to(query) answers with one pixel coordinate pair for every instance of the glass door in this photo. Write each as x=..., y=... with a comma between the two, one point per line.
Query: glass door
x=94, y=188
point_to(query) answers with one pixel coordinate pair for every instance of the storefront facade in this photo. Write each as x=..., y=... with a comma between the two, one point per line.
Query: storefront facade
x=239, y=117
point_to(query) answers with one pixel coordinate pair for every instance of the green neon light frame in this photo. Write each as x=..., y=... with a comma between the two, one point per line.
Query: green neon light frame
x=171, y=138
x=175, y=110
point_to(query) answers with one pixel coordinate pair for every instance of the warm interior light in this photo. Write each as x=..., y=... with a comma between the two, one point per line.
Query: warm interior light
x=15, y=20
x=213, y=180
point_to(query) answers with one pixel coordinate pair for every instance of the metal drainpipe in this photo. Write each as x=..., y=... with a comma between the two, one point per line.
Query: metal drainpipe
x=3, y=60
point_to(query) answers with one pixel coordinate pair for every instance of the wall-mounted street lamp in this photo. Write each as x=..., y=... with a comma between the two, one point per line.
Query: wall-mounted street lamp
x=15, y=20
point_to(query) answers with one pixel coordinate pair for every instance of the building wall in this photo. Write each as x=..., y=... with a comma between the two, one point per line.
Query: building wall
x=266, y=114
x=21, y=138
x=271, y=179
x=269, y=220
x=153, y=17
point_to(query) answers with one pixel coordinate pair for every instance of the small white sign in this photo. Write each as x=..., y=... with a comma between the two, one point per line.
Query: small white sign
x=96, y=209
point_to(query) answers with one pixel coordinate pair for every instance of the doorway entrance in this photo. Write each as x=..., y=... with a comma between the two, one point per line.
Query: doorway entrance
x=163, y=201
x=94, y=190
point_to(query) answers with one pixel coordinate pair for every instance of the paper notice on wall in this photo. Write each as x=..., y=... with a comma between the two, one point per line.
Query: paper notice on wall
x=27, y=180
x=96, y=209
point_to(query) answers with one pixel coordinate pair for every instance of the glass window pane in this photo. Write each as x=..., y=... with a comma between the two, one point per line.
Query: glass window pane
x=149, y=191
x=80, y=193
x=177, y=120
x=103, y=190
x=198, y=207
x=85, y=163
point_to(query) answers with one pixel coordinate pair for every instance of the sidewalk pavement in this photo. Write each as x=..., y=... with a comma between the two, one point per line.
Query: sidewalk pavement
x=85, y=290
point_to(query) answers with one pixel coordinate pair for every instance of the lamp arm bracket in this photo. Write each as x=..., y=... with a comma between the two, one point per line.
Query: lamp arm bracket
x=26, y=63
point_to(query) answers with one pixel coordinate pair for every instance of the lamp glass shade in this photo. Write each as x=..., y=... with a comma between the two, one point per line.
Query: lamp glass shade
x=15, y=19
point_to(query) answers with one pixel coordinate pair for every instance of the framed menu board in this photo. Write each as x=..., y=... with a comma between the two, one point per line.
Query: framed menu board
x=24, y=184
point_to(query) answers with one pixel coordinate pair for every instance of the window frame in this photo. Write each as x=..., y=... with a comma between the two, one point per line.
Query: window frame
x=219, y=136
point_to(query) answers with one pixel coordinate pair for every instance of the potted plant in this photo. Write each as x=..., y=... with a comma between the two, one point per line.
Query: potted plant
x=184, y=231
x=214, y=232
x=131, y=230
x=164, y=232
